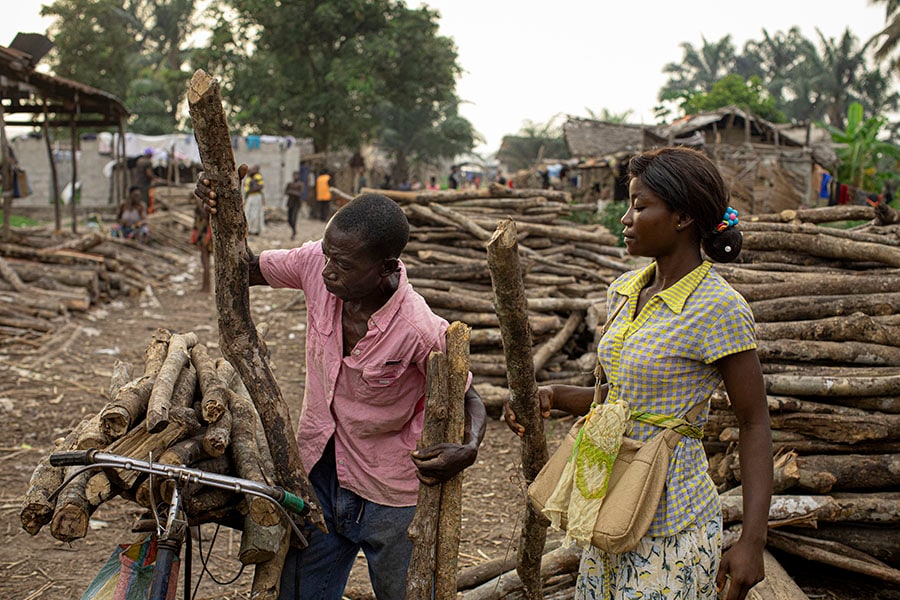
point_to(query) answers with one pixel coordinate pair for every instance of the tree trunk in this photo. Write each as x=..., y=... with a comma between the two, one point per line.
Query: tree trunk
x=239, y=340
x=512, y=311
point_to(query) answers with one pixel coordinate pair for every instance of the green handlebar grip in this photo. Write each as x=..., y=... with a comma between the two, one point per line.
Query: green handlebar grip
x=294, y=503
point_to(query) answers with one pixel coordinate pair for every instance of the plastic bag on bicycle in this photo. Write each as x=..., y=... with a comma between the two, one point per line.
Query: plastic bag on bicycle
x=127, y=573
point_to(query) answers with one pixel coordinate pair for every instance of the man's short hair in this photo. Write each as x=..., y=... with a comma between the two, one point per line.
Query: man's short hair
x=378, y=221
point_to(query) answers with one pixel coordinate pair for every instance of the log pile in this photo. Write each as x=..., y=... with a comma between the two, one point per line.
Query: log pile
x=567, y=267
x=827, y=306
x=46, y=276
x=183, y=407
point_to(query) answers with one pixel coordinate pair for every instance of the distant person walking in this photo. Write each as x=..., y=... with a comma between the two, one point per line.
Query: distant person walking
x=453, y=179
x=294, y=192
x=323, y=195
x=254, y=201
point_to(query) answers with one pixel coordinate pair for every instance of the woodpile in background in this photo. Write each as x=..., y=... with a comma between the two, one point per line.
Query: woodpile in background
x=567, y=267
x=46, y=275
x=827, y=307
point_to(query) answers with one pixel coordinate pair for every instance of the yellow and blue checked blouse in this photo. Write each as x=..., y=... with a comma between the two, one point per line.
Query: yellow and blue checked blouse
x=664, y=361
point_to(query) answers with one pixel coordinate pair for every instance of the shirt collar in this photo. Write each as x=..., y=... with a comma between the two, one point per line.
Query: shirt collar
x=674, y=296
x=384, y=315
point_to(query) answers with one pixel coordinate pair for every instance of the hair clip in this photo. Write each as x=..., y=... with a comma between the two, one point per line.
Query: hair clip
x=729, y=219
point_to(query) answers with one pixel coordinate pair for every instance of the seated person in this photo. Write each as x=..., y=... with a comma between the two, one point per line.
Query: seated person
x=131, y=218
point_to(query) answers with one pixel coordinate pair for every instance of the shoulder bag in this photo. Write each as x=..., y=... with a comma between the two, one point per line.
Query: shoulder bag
x=637, y=479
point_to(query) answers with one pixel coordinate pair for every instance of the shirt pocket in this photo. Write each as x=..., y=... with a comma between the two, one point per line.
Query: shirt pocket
x=382, y=382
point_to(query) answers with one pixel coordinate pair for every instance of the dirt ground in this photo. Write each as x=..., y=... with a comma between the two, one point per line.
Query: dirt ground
x=42, y=397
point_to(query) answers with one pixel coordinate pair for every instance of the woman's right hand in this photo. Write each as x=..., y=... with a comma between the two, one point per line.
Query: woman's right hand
x=545, y=397
x=204, y=192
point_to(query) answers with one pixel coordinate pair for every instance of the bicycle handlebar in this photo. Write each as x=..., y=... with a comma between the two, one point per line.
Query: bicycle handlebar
x=94, y=458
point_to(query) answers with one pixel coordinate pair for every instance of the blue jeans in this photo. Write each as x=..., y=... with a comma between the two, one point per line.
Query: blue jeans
x=320, y=571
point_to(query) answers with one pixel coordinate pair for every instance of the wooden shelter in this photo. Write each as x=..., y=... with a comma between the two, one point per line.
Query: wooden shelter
x=45, y=101
x=769, y=167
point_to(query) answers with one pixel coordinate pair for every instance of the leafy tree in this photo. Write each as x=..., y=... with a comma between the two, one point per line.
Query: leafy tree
x=418, y=118
x=334, y=71
x=133, y=49
x=95, y=42
x=698, y=70
x=807, y=81
x=866, y=161
x=734, y=90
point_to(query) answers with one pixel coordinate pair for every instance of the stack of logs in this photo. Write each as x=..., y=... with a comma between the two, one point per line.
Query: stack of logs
x=47, y=275
x=567, y=269
x=183, y=408
x=827, y=305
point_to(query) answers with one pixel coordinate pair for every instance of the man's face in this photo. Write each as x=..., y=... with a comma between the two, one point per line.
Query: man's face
x=350, y=271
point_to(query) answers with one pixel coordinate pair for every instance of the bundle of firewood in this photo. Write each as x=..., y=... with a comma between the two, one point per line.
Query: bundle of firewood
x=567, y=267
x=183, y=408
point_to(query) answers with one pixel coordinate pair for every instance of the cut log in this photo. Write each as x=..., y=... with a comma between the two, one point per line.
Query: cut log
x=559, y=561
x=801, y=308
x=450, y=514
x=809, y=385
x=160, y=401
x=215, y=401
x=238, y=337
x=423, y=528
x=850, y=508
x=130, y=404
x=509, y=298
x=778, y=584
x=856, y=327
x=833, y=554
x=823, y=214
x=267, y=575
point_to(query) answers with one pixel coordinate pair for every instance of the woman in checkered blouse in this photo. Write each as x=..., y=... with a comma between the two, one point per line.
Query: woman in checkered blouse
x=682, y=332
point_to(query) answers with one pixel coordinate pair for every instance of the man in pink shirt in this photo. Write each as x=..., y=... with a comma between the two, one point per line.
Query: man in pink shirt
x=369, y=335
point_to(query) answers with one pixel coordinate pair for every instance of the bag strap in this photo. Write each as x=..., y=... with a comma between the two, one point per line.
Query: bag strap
x=598, y=370
x=683, y=426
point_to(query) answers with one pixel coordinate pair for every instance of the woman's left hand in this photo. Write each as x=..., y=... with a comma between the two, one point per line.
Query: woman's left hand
x=742, y=567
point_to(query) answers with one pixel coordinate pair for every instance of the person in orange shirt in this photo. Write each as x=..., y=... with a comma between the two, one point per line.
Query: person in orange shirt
x=323, y=195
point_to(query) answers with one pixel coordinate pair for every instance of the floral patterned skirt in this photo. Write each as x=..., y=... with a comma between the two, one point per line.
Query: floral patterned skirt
x=678, y=567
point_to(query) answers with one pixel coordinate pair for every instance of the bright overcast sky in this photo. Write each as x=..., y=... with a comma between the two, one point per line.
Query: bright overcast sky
x=528, y=60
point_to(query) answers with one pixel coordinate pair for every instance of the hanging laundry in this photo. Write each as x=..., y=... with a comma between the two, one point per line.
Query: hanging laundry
x=844, y=194
x=823, y=189
x=252, y=142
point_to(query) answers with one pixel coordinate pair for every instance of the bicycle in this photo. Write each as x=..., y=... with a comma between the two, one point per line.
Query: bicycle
x=171, y=535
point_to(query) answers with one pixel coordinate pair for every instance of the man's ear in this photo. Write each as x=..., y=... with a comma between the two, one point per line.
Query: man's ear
x=390, y=266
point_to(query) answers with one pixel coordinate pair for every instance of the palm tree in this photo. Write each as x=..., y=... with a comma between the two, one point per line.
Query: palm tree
x=609, y=116
x=890, y=35
x=699, y=69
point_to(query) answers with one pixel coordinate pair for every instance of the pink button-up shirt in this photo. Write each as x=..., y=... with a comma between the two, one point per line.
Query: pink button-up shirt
x=372, y=400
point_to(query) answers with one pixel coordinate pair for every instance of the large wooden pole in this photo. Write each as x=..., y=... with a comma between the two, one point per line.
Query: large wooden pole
x=512, y=312
x=237, y=333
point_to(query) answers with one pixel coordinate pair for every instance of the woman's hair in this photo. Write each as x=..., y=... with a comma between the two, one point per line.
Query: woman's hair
x=690, y=183
x=378, y=221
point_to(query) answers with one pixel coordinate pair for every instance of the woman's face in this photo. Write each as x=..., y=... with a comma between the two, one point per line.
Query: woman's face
x=650, y=225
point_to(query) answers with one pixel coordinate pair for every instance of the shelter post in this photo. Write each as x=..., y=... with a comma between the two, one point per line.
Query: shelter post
x=54, y=176
x=74, y=197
